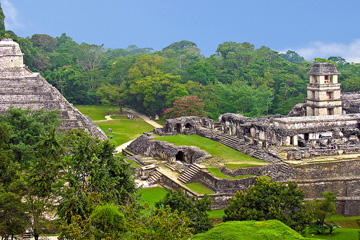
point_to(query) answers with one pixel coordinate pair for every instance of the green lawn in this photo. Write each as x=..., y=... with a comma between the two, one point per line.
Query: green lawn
x=199, y=188
x=338, y=234
x=133, y=164
x=214, y=148
x=344, y=222
x=152, y=195
x=243, y=165
x=97, y=112
x=217, y=173
x=216, y=213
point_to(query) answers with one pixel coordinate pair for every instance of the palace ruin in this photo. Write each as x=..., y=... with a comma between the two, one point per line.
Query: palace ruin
x=326, y=126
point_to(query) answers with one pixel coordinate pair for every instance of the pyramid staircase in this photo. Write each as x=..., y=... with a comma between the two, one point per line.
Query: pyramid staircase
x=187, y=175
x=156, y=174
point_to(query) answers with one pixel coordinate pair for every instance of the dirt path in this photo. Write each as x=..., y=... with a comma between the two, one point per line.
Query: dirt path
x=108, y=118
x=145, y=118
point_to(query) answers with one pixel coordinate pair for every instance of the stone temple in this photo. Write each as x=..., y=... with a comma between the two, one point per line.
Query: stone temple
x=21, y=88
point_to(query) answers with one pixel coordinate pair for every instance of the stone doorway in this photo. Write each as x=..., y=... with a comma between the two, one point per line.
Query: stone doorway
x=180, y=156
x=188, y=126
x=178, y=127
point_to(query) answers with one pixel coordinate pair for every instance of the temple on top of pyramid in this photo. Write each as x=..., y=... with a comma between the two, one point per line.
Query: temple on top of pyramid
x=21, y=88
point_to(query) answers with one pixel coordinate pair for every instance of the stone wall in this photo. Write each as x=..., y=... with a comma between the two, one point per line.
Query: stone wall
x=146, y=145
x=224, y=185
x=342, y=178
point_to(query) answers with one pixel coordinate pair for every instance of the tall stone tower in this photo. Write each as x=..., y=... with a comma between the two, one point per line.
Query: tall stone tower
x=323, y=91
x=21, y=88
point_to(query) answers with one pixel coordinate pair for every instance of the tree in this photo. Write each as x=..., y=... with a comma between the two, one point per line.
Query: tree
x=112, y=95
x=42, y=178
x=202, y=72
x=292, y=56
x=322, y=209
x=195, y=209
x=2, y=23
x=91, y=168
x=180, y=45
x=268, y=199
x=25, y=128
x=44, y=41
x=108, y=222
x=186, y=106
x=13, y=215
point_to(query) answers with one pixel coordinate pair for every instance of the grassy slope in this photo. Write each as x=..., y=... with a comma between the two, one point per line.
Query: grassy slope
x=123, y=129
x=212, y=147
x=199, y=188
x=97, y=112
x=249, y=230
x=217, y=173
x=338, y=234
x=152, y=195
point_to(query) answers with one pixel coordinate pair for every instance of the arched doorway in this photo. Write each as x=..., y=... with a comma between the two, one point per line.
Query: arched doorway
x=188, y=126
x=180, y=156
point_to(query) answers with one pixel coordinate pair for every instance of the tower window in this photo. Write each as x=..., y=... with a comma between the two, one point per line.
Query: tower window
x=329, y=95
x=327, y=79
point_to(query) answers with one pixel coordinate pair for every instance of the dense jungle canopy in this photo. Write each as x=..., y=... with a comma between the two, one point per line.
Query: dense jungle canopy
x=238, y=78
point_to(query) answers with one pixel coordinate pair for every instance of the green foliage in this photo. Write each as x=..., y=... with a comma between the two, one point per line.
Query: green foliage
x=248, y=230
x=322, y=209
x=270, y=200
x=2, y=23
x=195, y=210
x=108, y=222
x=92, y=168
x=43, y=41
x=186, y=106
x=156, y=224
x=13, y=215
x=292, y=56
x=180, y=45
x=25, y=128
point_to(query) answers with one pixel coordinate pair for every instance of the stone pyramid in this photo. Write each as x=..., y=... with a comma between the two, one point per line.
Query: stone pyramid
x=21, y=88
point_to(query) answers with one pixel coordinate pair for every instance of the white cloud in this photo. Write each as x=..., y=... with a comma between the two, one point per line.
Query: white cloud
x=11, y=17
x=350, y=52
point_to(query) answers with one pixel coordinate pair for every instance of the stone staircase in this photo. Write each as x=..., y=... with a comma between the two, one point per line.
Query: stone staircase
x=169, y=165
x=154, y=177
x=187, y=175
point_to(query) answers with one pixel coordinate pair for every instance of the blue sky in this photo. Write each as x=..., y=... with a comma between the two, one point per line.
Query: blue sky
x=313, y=28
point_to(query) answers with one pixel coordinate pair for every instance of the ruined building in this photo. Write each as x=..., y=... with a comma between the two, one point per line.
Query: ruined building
x=21, y=88
x=316, y=145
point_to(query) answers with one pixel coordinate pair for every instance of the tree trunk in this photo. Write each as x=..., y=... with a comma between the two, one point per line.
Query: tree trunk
x=121, y=108
x=36, y=236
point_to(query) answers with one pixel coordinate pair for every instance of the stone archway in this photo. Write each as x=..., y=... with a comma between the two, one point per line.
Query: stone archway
x=180, y=156
x=188, y=126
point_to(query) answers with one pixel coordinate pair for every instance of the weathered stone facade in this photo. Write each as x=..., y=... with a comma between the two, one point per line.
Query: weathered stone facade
x=21, y=88
x=146, y=146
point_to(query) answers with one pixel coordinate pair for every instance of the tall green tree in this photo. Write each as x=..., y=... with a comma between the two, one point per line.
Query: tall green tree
x=92, y=168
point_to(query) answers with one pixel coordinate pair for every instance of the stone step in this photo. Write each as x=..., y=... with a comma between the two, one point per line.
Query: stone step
x=169, y=165
x=186, y=176
x=154, y=177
